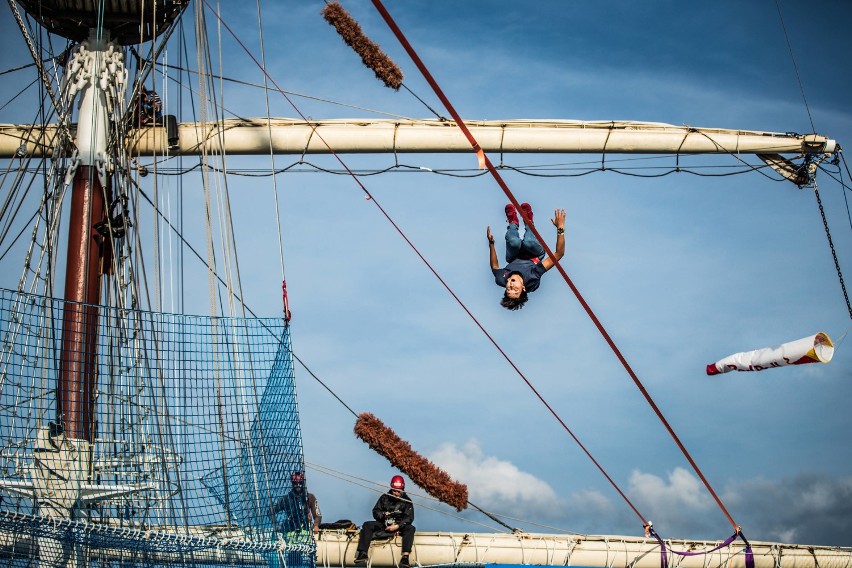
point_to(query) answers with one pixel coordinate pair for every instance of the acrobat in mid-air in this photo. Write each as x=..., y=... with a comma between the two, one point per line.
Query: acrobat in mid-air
x=526, y=259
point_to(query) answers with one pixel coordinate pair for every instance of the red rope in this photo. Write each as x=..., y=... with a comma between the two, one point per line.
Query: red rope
x=285, y=300
x=476, y=148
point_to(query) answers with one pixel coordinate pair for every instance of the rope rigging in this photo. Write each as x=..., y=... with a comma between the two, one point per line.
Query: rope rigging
x=540, y=171
x=284, y=297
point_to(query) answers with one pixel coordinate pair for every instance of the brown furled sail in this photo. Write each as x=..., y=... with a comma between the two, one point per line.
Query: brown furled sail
x=435, y=481
x=371, y=54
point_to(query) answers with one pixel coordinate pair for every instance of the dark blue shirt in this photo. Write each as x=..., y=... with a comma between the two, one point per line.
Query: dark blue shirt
x=529, y=270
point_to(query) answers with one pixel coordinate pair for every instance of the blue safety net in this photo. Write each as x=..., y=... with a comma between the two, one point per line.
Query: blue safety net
x=149, y=439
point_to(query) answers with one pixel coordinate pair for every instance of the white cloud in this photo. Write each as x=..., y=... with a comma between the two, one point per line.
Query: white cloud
x=495, y=483
x=814, y=508
x=808, y=509
x=590, y=501
x=681, y=490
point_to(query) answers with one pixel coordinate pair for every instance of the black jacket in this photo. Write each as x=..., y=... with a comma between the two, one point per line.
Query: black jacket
x=393, y=510
x=301, y=511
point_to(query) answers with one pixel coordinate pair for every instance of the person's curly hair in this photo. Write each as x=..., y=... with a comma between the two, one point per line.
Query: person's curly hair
x=514, y=303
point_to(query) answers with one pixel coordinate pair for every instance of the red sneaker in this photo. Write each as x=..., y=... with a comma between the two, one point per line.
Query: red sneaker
x=511, y=215
x=527, y=209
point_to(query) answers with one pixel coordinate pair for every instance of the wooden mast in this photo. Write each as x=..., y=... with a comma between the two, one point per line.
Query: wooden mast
x=78, y=362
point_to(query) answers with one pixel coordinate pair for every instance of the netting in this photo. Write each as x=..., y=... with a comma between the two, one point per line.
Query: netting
x=192, y=436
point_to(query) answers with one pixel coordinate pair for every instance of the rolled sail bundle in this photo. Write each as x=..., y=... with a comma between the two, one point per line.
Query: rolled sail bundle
x=816, y=348
x=371, y=54
x=435, y=481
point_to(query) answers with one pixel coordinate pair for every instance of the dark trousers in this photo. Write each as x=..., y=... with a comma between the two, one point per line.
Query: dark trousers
x=371, y=528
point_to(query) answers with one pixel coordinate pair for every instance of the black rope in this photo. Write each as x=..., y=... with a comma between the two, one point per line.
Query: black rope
x=28, y=65
x=492, y=517
x=833, y=253
x=843, y=185
x=433, y=111
x=795, y=67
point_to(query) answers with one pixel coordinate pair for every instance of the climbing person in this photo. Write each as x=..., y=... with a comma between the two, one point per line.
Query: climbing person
x=300, y=508
x=149, y=108
x=392, y=514
x=526, y=258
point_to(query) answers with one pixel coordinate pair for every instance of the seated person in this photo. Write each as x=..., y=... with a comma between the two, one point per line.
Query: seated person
x=393, y=513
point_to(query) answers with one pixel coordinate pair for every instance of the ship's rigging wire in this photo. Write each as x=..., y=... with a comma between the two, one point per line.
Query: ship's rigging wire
x=844, y=186
x=277, y=212
x=795, y=66
x=541, y=170
x=557, y=170
x=271, y=153
x=815, y=188
x=484, y=160
x=21, y=92
x=164, y=423
x=36, y=60
x=433, y=111
x=21, y=68
x=304, y=96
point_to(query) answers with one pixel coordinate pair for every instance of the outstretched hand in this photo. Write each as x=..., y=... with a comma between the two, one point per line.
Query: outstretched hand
x=492, y=254
x=558, y=219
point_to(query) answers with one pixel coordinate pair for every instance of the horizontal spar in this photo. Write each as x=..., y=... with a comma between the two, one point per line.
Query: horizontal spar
x=285, y=136
x=444, y=549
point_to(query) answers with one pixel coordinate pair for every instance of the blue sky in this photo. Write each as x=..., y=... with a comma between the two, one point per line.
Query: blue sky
x=681, y=270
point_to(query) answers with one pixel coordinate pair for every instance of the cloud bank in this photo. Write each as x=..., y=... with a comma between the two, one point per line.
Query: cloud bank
x=814, y=508
x=494, y=483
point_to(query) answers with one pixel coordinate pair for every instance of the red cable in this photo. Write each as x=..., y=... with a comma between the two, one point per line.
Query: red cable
x=475, y=145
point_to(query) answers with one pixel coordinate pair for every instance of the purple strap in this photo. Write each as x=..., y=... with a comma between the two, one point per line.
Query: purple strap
x=749, y=555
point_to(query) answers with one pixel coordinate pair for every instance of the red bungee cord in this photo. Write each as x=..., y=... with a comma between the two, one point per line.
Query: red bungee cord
x=508, y=192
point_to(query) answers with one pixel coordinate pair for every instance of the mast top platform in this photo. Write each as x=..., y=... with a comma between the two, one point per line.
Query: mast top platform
x=131, y=22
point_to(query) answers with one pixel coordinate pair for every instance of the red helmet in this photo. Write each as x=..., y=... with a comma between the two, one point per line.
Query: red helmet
x=397, y=482
x=297, y=477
